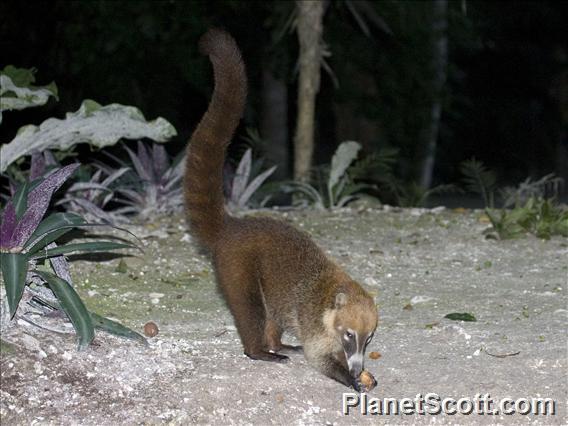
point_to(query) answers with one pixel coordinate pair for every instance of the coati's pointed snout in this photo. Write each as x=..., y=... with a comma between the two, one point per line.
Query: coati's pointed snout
x=355, y=364
x=355, y=321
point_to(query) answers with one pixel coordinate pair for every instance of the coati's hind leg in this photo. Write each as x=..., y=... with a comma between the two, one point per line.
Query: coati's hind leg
x=272, y=338
x=242, y=294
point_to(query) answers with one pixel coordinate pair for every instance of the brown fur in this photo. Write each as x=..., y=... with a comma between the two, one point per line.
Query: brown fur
x=272, y=276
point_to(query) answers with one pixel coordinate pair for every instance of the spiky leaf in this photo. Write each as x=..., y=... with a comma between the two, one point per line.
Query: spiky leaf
x=38, y=201
x=254, y=185
x=8, y=226
x=242, y=175
x=478, y=179
x=14, y=268
x=51, y=228
x=73, y=307
x=20, y=200
x=116, y=328
x=160, y=160
x=141, y=163
x=84, y=247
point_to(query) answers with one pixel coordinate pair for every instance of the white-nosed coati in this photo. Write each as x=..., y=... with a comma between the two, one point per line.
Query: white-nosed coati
x=273, y=277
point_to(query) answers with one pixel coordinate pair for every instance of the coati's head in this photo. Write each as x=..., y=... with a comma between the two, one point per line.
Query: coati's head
x=354, y=322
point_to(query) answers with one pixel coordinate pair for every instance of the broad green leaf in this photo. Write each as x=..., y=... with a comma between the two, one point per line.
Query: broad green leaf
x=14, y=269
x=73, y=307
x=51, y=228
x=455, y=316
x=22, y=77
x=20, y=200
x=116, y=328
x=95, y=246
x=95, y=124
x=17, y=92
x=342, y=159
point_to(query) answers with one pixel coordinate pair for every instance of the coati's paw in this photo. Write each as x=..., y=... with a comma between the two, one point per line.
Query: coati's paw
x=268, y=356
x=364, y=383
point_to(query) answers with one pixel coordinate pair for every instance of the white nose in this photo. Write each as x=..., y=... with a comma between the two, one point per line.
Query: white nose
x=355, y=364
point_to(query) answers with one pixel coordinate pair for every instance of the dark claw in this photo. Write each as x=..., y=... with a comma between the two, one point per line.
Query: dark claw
x=356, y=385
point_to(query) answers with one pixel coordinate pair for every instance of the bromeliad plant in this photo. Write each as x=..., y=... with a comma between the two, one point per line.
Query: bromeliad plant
x=91, y=195
x=26, y=240
x=152, y=186
x=243, y=186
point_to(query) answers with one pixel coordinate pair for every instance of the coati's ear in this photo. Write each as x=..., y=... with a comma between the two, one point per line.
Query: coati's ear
x=340, y=300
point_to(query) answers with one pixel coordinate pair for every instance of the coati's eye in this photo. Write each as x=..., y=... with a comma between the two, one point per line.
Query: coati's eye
x=348, y=335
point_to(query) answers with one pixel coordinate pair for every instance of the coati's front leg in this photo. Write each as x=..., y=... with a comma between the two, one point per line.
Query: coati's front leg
x=327, y=363
x=243, y=296
x=273, y=338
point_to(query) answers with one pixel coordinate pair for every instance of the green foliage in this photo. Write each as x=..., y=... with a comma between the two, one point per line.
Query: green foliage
x=92, y=123
x=26, y=241
x=538, y=216
x=334, y=185
x=377, y=166
x=14, y=267
x=480, y=180
x=17, y=91
x=345, y=154
x=535, y=210
x=91, y=195
x=547, y=186
x=73, y=307
x=465, y=316
x=414, y=195
x=152, y=186
x=242, y=187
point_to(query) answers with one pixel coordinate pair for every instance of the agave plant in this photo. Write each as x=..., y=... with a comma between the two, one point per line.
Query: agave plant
x=26, y=240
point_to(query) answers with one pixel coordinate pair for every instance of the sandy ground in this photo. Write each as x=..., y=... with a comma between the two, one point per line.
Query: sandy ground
x=419, y=264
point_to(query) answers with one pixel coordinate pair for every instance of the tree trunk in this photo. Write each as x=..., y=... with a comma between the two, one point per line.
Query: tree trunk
x=439, y=66
x=310, y=28
x=274, y=121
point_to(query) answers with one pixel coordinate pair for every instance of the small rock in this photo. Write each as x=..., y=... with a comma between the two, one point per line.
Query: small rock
x=370, y=281
x=420, y=299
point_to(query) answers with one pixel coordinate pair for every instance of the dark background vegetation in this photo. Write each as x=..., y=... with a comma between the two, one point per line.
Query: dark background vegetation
x=504, y=103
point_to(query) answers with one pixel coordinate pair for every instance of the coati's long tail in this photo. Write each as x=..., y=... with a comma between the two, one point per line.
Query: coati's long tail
x=203, y=181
